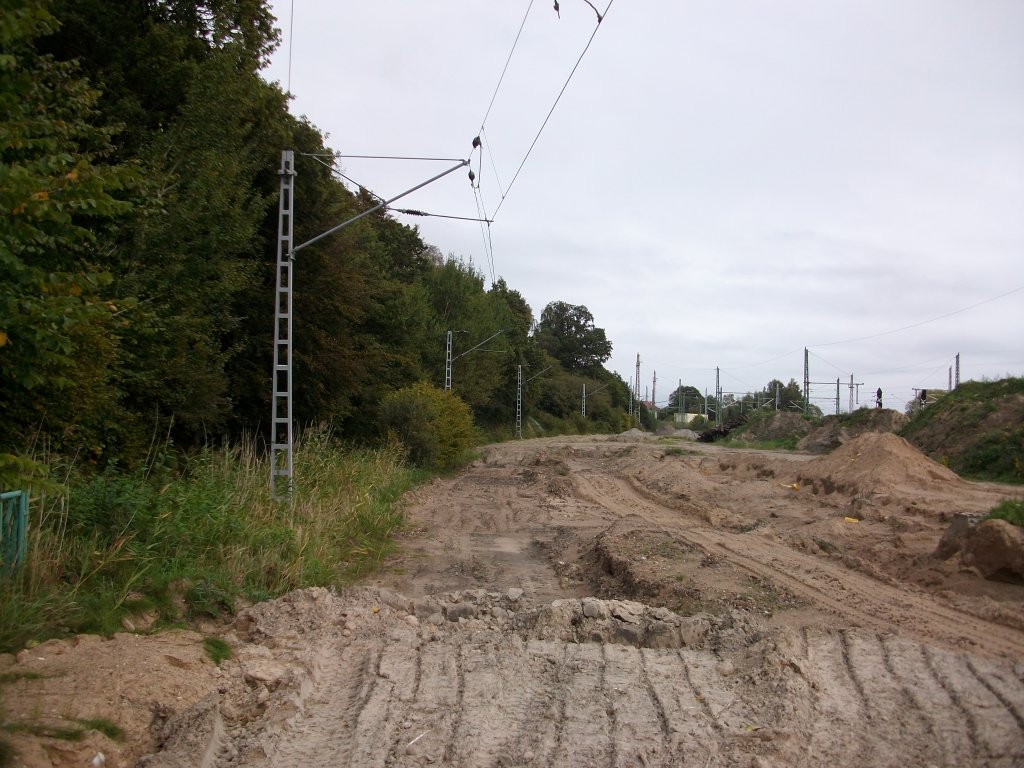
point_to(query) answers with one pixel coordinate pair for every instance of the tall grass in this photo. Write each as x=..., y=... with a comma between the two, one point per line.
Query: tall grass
x=177, y=543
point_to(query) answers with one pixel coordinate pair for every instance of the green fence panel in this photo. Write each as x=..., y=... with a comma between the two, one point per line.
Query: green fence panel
x=13, y=529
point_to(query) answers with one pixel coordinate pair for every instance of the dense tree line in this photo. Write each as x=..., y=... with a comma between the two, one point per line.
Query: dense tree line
x=138, y=219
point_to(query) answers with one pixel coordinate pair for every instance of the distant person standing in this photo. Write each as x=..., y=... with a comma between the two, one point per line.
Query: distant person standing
x=878, y=398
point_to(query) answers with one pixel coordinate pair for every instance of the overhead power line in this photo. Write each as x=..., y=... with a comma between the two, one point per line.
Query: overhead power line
x=387, y=157
x=751, y=365
x=911, y=367
x=923, y=322
x=407, y=211
x=291, y=42
x=485, y=234
x=505, y=68
x=827, y=362
x=413, y=212
x=494, y=167
x=338, y=173
x=558, y=98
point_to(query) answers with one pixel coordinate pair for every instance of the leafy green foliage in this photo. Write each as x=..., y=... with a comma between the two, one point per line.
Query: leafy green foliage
x=460, y=304
x=192, y=254
x=435, y=426
x=217, y=649
x=111, y=730
x=1012, y=511
x=567, y=333
x=57, y=198
x=977, y=430
x=996, y=455
x=74, y=733
x=791, y=395
x=689, y=397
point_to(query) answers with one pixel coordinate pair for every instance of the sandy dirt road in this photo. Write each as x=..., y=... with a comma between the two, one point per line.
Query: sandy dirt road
x=617, y=602
x=600, y=603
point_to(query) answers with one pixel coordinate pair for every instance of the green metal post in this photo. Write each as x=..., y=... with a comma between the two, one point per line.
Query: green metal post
x=13, y=529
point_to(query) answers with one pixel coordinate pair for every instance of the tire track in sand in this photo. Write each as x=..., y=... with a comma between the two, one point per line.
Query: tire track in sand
x=859, y=599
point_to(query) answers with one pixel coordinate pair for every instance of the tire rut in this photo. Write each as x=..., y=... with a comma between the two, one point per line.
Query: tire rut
x=481, y=695
x=472, y=676
x=859, y=599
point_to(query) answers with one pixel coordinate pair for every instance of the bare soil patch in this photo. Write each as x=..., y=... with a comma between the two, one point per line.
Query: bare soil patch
x=593, y=601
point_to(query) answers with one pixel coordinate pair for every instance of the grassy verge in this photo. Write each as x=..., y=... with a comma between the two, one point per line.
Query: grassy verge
x=977, y=430
x=178, y=544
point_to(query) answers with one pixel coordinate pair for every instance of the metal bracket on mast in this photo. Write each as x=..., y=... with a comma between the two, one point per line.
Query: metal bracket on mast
x=281, y=460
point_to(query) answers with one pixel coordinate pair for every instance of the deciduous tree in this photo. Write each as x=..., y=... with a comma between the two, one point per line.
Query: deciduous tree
x=57, y=200
x=567, y=333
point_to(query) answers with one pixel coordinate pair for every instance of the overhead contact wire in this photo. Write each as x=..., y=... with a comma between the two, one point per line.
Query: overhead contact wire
x=923, y=322
x=483, y=236
x=388, y=157
x=414, y=212
x=505, y=68
x=336, y=172
x=555, y=104
x=494, y=167
x=407, y=211
x=291, y=42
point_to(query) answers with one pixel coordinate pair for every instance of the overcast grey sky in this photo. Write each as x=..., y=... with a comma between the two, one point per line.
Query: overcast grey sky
x=722, y=183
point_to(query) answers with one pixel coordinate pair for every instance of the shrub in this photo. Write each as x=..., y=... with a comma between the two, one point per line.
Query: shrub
x=1010, y=511
x=434, y=425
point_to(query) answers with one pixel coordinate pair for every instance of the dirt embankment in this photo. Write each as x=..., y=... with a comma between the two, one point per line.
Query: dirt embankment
x=978, y=430
x=780, y=425
x=593, y=602
x=836, y=430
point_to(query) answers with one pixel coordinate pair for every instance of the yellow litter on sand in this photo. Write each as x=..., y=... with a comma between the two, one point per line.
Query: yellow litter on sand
x=851, y=519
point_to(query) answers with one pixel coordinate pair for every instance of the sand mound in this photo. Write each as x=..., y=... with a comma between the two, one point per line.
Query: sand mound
x=994, y=547
x=878, y=462
x=836, y=430
x=631, y=434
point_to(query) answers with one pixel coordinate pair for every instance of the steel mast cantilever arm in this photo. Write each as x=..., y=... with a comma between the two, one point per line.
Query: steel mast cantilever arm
x=375, y=208
x=478, y=345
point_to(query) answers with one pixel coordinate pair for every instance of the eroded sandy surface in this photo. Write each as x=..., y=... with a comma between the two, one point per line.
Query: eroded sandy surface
x=611, y=603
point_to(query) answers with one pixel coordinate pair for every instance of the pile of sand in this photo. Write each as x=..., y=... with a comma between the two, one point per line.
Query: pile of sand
x=836, y=430
x=876, y=462
x=631, y=434
x=995, y=548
